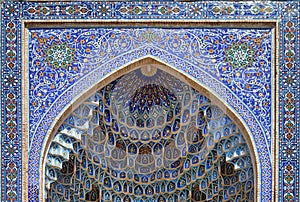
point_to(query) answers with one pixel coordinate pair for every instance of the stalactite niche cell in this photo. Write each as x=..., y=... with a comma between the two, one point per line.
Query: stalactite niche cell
x=148, y=136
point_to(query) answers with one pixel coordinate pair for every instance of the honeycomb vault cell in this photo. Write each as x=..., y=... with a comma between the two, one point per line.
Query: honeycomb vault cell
x=148, y=136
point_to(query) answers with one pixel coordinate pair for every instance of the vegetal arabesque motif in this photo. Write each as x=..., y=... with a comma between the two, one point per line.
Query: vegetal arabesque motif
x=287, y=14
x=227, y=54
x=203, y=48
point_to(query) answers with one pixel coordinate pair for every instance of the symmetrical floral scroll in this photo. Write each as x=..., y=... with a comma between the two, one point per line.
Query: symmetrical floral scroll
x=286, y=13
x=240, y=59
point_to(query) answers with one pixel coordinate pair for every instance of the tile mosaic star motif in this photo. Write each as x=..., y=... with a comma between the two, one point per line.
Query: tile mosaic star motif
x=287, y=14
x=59, y=55
x=239, y=55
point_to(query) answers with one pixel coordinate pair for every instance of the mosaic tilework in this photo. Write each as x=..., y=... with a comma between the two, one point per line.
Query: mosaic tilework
x=211, y=50
x=239, y=58
x=159, y=140
x=287, y=12
x=200, y=75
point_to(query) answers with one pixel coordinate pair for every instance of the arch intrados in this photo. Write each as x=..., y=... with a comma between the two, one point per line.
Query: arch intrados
x=215, y=100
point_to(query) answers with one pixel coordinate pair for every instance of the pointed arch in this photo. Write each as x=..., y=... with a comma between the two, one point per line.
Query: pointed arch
x=143, y=62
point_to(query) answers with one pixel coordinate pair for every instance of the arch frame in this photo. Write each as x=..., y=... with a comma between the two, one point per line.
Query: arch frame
x=213, y=97
x=75, y=101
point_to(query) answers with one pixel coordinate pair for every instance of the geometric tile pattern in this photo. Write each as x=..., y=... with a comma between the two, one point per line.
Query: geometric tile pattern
x=287, y=13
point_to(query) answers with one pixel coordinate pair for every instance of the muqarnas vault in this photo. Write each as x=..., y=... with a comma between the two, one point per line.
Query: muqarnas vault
x=149, y=136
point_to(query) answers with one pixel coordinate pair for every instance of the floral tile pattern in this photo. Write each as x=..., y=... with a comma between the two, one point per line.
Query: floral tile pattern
x=287, y=14
x=209, y=50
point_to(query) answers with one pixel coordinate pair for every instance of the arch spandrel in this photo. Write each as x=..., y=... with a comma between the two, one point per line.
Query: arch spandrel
x=145, y=63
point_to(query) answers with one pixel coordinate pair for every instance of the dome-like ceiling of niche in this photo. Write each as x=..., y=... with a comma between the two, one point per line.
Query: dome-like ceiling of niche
x=148, y=136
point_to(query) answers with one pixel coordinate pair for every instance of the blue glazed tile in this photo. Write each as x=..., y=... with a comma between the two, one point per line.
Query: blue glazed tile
x=11, y=101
